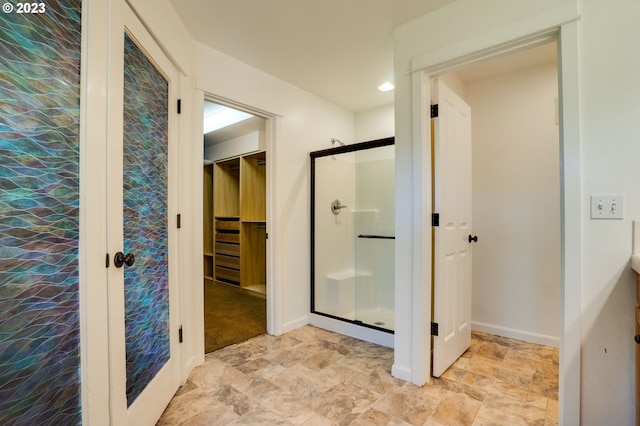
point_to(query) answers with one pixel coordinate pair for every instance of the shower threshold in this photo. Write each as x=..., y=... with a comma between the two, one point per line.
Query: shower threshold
x=383, y=318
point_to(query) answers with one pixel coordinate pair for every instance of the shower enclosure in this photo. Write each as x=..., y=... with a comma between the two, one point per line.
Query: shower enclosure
x=353, y=234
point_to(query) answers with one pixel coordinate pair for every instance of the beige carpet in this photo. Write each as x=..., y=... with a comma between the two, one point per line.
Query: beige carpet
x=231, y=316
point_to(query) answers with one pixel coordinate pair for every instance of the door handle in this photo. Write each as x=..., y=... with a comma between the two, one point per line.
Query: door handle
x=129, y=259
x=637, y=338
x=121, y=259
x=473, y=238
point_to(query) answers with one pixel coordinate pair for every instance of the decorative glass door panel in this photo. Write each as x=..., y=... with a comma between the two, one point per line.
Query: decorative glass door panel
x=143, y=318
x=145, y=181
x=39, y=215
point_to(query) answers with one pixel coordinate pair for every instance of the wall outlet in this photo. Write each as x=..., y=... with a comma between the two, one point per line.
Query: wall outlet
x=607, y=206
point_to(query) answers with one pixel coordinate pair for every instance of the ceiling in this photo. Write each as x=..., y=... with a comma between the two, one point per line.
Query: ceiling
x=339, y=50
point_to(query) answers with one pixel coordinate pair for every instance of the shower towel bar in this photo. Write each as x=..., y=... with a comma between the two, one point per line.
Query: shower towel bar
x=381, y=237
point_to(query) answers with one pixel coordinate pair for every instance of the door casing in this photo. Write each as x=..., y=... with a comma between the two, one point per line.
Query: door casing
x=274, y=286
x=563, y=27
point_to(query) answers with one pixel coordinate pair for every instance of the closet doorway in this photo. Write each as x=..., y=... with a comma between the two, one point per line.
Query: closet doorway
x=234, y=226
x=515, y=190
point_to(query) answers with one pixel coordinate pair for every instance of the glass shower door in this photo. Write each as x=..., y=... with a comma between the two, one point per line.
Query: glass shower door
x=353, y=220
x=374, y=225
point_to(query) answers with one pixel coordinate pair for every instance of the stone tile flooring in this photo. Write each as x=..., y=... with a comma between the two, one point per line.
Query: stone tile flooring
x=315, y=377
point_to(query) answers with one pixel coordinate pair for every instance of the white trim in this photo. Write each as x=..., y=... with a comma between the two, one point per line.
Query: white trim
x=402, y=373
x=297, y=323
x=94, y=330
x=193, y=284
x=527, y=32
x=571, y=223
x=353, y=330
x=504, y=40
x=422, y=245
x=512, y=333
x=274, y=271
x=239, y=106
x=198, y=155
x=275, y=304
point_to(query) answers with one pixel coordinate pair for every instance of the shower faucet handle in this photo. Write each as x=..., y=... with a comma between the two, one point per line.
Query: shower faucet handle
x=336, y=206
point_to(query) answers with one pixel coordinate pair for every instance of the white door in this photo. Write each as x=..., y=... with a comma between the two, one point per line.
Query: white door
x=141, y=215
x=452, y=243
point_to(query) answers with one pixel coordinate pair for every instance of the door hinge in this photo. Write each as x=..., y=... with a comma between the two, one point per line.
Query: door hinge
x=180, y=335
x=179, y=221
x=434, y=111
x=179, y=106
x=435, y=219
x=107, y=262
x=266, y=236
x=434, y=328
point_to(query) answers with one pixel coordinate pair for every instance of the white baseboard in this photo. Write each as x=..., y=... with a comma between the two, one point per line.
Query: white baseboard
x=511, y=333
x=191, y=363
x=401, y=372
x=292, y=325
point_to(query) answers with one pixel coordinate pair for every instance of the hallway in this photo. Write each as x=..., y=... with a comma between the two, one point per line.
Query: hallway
x=315, y=377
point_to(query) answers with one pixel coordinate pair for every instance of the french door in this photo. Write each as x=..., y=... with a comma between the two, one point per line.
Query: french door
x=143, y=318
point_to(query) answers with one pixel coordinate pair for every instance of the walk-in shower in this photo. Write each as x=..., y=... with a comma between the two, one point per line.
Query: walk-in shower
x=353, y=234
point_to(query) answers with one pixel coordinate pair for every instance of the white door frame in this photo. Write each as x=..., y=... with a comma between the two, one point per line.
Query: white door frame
x=561, y=25
x=274, y=286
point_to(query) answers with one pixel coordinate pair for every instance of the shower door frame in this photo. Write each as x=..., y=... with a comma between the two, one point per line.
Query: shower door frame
x=360, y=146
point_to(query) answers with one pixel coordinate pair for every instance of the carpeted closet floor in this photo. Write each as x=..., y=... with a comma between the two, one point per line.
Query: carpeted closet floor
x=231, y=316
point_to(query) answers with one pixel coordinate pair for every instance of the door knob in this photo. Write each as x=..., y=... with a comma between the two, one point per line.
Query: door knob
x=637, y=338
x=473, y=238
x=118, y=259
x=129, y=259
x=121, y=259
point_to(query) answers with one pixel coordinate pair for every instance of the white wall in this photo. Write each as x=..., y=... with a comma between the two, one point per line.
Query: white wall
x=235, y=146
x=516, y=205
x=455, y=83
x=609, y=105
x=609, y=101
x=376, y=123
x=305, y=123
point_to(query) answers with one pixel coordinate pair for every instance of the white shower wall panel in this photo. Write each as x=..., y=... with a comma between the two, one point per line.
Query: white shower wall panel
x=334, y=243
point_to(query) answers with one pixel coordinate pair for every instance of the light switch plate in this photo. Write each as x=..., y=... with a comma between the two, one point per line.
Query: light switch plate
x=607, y=207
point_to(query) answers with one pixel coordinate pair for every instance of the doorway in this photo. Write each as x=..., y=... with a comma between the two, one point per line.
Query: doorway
x=516, y=196
x=569, y=149
x=516, y=193
x=234, y=226
x=515, y=168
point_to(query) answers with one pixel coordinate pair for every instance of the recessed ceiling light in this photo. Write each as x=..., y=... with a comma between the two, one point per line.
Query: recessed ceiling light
x=386, y=86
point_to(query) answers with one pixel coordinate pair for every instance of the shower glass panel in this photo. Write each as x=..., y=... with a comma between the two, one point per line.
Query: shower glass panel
x=353, y=233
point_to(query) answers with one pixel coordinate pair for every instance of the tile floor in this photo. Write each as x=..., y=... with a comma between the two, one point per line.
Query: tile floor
x=314, y=377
